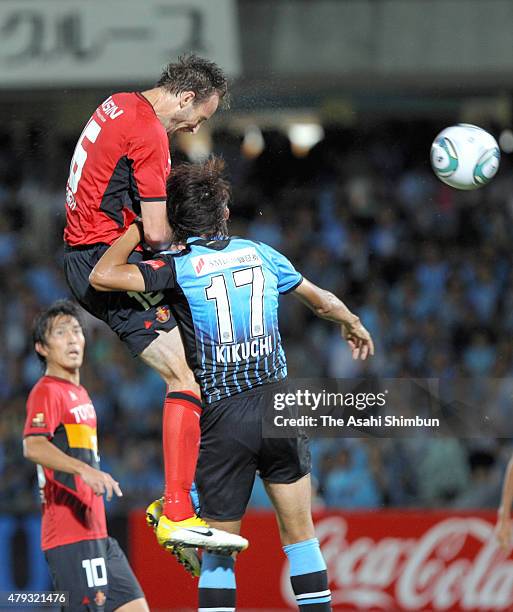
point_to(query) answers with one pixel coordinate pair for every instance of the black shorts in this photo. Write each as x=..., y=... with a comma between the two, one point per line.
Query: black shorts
x=135, y=317
x=95, y=573
x=233, y=449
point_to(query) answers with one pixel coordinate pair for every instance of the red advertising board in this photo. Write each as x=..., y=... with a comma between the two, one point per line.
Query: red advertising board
x=383, y=560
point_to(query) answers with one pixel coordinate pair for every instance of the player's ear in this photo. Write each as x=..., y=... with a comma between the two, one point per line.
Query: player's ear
x=226, y=213
x=187, y=98
x=41, y=349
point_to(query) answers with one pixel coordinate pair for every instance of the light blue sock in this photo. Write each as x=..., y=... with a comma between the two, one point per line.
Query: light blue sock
x=217, y=583
x=309, y=576
x=194, y=495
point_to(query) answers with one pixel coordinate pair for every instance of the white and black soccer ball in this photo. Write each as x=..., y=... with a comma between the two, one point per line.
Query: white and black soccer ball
x=465, y=156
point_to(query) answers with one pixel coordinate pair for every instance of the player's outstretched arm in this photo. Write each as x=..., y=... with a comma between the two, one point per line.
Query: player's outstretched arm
x=328, y=306
x=40, y=450
x=503, y=527
x=112, y=272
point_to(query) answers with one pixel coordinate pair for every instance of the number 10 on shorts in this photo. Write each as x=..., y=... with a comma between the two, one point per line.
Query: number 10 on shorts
x=96, y=572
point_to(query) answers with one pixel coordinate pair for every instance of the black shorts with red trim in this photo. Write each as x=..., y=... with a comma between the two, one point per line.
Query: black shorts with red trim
x=135, y=317
x=95, y=573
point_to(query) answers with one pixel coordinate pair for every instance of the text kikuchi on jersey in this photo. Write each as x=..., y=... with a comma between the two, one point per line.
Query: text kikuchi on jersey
x=225, y=297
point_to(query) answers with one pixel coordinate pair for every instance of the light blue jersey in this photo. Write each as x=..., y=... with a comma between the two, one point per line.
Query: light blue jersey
x=225, y=296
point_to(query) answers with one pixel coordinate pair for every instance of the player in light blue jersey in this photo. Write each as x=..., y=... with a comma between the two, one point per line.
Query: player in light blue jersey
x=225, y=292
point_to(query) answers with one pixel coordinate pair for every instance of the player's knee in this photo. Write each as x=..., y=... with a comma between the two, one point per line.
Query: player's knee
x=296, y=528
x=165, y=355
x=177, y=378
x=296, y=534
x=181, y=379
x=177, y=374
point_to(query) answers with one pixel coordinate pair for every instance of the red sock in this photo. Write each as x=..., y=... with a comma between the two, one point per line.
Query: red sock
x=180, y=437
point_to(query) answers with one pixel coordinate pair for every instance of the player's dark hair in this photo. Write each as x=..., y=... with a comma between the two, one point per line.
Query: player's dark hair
x=193, y=73
x=198, y=195
x=43, y=322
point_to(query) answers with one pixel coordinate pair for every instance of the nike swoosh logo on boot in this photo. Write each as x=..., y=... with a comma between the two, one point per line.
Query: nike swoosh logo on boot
x=204, y=533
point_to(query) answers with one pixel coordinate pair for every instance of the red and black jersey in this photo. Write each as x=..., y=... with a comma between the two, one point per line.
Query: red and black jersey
x=121, y=158
x=63, y=412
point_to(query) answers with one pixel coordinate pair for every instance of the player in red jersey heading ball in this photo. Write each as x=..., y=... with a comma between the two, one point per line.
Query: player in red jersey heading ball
x=119, y=170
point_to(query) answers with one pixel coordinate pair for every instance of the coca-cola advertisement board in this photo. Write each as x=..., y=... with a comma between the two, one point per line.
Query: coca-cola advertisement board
x=383, y=560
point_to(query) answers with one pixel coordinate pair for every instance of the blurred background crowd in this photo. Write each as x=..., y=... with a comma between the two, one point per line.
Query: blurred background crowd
x=427, y=268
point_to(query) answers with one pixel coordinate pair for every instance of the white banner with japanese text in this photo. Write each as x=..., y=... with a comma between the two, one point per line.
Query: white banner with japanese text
x=55, y=43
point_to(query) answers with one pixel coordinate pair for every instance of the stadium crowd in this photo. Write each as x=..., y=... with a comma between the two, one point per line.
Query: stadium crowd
x=427, y=268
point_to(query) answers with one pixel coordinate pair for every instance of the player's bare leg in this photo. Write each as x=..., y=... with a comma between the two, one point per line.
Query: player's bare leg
x=308, y=573
x=136, y=605
x=293, y=505
x=166, y=356
x=178, y=528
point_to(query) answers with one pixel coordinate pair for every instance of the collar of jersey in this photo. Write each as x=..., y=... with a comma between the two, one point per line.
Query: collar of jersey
x=178, y=252
x=217, y=237
x=190, y=240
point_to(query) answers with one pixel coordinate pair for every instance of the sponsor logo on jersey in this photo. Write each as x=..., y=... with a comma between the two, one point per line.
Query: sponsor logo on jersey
x=39, y=420
x=162, y=314
x=100, y=599
x=154, y=263
x=83, y=412
x=199, y=266
x=73, y=396
x=242, y=351
x=213, y=262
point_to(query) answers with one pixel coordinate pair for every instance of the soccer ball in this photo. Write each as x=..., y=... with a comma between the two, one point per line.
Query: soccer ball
x=464, y=156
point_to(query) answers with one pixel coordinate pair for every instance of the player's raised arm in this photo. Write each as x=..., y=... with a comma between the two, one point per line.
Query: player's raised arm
x=328, y=306
x=112, y=272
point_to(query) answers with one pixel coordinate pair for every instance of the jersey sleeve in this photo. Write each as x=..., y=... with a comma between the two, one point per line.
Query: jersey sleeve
x=44, y=412
x=148, y=150
x=288, y=277
x=159, y=273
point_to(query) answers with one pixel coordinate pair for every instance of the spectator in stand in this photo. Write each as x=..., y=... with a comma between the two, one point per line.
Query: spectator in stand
x=377, y=227
x=349, y=483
